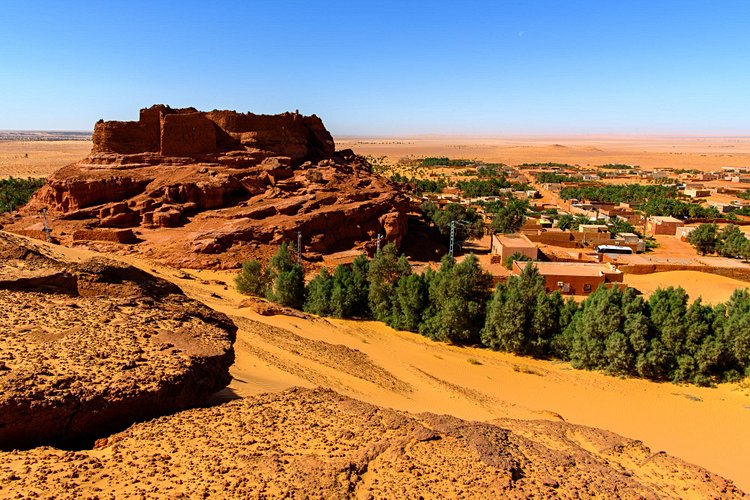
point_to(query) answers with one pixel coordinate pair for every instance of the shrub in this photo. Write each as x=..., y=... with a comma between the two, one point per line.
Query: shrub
x=253, y=280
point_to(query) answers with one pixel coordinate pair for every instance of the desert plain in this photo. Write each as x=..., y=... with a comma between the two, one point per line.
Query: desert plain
x=368, y=361
x=688, y=152
x=651, y=152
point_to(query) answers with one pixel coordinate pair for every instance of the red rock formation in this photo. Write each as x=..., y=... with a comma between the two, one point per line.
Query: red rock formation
x=226, y=180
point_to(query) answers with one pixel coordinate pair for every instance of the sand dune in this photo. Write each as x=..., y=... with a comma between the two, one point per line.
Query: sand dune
x=705, y=426
x=404, y=371
x=711, y=288
x=706, y=153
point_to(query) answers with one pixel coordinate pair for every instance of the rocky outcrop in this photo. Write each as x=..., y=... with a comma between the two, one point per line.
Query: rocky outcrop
x=234, y=179
x=90, y=347
x=315, y=443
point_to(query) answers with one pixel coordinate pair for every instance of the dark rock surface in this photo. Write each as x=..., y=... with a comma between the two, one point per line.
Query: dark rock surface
x=88, y=347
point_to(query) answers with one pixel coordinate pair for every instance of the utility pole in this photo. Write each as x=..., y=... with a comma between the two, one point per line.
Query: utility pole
x=47, y=230
x=299, y=246
x=453, y=236
x=377, y=251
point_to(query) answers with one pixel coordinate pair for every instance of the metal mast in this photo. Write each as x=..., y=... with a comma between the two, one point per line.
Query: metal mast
x=299, y=246
x=453, y=236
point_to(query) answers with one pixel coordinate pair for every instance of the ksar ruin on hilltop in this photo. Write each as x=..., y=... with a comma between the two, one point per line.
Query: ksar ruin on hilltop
x=189, y=185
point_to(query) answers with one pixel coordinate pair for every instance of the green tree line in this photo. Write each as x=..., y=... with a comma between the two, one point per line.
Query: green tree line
x=420, y=186
x=547, y=164
x=618, y=166
x=727, y=242
x=662, y=338
x=618, y=193
x=444, y=161
x=554, y=178
x=15, y=192
x=488, y=187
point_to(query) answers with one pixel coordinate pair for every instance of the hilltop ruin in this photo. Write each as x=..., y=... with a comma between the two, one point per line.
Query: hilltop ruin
x=205, y=189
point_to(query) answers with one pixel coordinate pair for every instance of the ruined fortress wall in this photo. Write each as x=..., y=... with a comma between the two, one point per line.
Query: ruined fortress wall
x=287, y=134
x=187, y=135
x=124, y=138
x=188, y=132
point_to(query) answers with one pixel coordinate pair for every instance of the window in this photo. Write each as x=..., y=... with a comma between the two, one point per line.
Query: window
x=560, y=283
x=587, y=287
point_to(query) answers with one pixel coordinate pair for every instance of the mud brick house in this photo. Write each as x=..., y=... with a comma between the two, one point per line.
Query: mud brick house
x=663, y=225
x=574, y=278
x=505, y=245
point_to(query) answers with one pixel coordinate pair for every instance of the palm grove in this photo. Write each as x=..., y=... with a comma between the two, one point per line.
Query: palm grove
x=663, y=338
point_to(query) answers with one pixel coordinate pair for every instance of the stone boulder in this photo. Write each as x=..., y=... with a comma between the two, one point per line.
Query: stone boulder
x=87, y=348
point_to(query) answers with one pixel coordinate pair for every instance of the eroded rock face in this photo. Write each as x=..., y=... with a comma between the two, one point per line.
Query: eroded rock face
x=233, y=178
x=87, y=348
x=315, y=443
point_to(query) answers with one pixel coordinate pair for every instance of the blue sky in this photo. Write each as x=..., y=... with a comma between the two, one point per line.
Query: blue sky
x=386, y=68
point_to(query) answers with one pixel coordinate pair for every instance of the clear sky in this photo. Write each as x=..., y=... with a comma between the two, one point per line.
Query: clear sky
x=382, y=67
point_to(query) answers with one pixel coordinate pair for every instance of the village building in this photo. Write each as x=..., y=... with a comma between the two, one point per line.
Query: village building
x=631, y=240
x=724, y=208
x=663, y=225
x=684, y=231
x=697, y=192
x=574, y=278
x=506, y=245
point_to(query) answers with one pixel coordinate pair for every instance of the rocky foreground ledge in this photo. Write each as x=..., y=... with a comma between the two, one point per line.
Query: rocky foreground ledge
x=87, y=347
x=315, y=443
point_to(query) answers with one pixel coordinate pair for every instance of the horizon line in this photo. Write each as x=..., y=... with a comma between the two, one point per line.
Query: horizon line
x=441, y=135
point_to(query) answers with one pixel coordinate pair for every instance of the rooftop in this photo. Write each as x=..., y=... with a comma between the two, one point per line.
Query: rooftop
x=664, y=218
x=513, y=240
x=570, y=268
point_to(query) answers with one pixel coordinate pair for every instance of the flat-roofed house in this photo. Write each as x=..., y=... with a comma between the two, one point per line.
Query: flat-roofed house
x=632, y=240
x=723, y=207
x=506, y=245
x=593, y=228
x=697, y=192
x=574, y=278
x=663, y=225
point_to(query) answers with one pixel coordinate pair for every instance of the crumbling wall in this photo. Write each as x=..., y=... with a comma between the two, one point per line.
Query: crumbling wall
x=187, y=135
x=188, y=132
